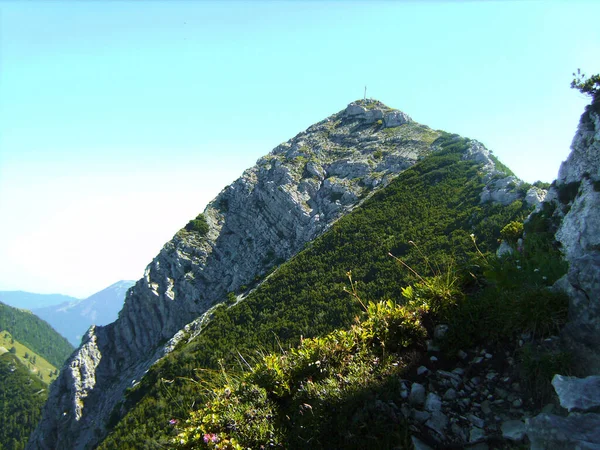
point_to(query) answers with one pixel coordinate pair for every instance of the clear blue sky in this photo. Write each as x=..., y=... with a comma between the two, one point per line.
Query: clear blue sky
x=120, y=120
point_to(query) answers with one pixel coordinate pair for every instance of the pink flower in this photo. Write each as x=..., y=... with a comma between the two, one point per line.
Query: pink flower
x=173, y=421
x=210, y=437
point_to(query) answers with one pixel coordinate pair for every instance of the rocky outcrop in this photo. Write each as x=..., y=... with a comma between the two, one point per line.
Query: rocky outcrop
x=576, y=195
x=581, y=428
x=501, y=187
x=575, y=200
x=291, y=196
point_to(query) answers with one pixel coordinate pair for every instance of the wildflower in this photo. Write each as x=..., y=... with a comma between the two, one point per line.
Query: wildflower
x=210, y=437
x=173, y=421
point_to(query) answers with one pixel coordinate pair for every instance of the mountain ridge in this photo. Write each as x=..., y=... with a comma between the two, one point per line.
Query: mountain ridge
x=31, y=300
x=292, y=195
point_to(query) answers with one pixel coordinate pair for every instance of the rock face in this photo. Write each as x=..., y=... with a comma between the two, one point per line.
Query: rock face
x=287, y=199
x=577, y=196
x=575, y=200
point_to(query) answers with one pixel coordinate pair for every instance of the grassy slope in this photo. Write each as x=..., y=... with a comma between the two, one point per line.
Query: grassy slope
x=41, y=368
x=434, y=204
x=22, y=396
x=34, y=333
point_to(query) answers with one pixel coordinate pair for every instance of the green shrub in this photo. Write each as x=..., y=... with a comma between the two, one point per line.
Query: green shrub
x=198, y=225
x=542, y=185
x=512, y=232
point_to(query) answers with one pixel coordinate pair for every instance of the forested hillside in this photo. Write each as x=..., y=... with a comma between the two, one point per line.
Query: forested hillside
x=22, y=396
x=430, y=216
x=34, y=333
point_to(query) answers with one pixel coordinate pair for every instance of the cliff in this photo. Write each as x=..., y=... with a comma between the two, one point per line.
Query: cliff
x=574, y=200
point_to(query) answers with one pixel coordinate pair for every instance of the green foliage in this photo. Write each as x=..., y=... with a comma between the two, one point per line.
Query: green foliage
x=22, y=396
x=435, y=204
x=285, y=399
x=542, y=185
x=36, y=334
x=589, y=86
x=538, y=367
x=515, y=296
x=198, y=225
x=512, y=232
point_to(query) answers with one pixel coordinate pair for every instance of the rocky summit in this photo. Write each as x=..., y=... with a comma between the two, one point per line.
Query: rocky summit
x=290, y=197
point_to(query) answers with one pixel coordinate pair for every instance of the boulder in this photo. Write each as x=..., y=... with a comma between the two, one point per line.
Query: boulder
x=395, y=119
x=578, y=394
x=577, y=431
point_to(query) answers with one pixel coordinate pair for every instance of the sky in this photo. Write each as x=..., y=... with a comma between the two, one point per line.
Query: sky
x=120, y=121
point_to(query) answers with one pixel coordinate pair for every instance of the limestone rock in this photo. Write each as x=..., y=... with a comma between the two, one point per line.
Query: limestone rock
x=577, y=431
x=579, y=234
x=395, y=119
x=584, y=158
x=579, y=394
x=503, y=191
x=504, y=249
x=417, y=394
x=513, y=430
x=535, y=196
x=433, y=402
x=478, y=153
x=438, y=423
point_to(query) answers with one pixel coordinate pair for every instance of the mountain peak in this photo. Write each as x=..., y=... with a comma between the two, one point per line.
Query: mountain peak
x=371, y=111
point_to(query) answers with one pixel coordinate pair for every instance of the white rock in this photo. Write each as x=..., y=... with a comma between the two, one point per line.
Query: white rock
x=535, y=196
x=504, y=249
x=513, y=430
x=578, y=394
x=417, y=394
x=395, y=119
x=433, y=402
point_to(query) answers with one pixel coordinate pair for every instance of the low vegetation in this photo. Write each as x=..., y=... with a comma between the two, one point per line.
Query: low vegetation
x=198, y=225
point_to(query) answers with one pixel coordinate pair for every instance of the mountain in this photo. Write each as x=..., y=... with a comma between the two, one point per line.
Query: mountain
x=73, y=319
x=34, y=333
x=29, y=300
x=287, y=200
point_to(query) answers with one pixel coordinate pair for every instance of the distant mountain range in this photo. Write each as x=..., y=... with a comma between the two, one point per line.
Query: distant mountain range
x=29, y=300
x=73, y=318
